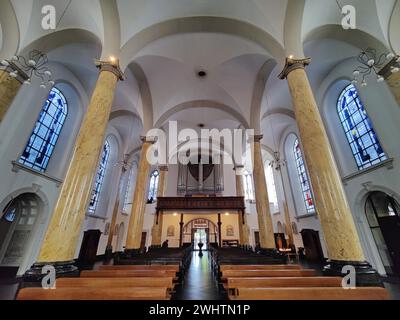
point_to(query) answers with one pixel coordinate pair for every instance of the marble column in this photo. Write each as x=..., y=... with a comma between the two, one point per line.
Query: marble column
x=63, y=232
x=156, y=231
x=242, y=221
x=392, y=79
x=9, y=87
x=116, y=211
x=342, y=241
x=266, y=229
x=136, y=220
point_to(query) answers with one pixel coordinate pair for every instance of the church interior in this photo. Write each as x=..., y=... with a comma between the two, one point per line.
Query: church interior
x=307, y=209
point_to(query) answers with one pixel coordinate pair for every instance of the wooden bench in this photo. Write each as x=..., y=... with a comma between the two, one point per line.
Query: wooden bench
x=233, y=283
x=267, y=273
x=127, y=273
x=166, y=282
x=225, y=267
x=94, y=293
x=141, y=267
x=310, y=294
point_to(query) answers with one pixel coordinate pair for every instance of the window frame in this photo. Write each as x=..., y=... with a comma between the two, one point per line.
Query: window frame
x=152, y=192
x=46, y=132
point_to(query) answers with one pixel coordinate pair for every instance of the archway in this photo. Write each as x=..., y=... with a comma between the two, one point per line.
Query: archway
x=200, y=230
x=17, y=225
x=383, y=215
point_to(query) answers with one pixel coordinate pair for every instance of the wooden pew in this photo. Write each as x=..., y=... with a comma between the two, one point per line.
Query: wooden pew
x=233, y=283
x=268, y=273
x=310, y=294
x=94, y=293
x=166, y=282
x=225, y=267
x=126, y=273
x=141, y=267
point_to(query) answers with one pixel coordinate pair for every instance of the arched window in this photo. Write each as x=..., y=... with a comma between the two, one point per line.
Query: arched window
x=43, y=139
x=248, y=186
x=304, y=181
x=153, y=186
x=272, y=195
x=129, y=190
x=359, y=131
x=99, y=178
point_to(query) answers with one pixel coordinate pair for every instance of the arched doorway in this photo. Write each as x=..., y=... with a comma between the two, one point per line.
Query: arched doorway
x=17, y=225
x=200, y=230
x=383, y=215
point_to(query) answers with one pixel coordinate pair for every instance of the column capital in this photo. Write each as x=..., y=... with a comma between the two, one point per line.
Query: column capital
x=163, y=168
x=239, y=169
x=110, y=66
x=22, y=76
x=292, y=64
x=256, y=138
x=146, y=139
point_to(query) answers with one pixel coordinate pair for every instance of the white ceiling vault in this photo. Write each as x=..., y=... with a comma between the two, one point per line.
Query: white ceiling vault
x=163, y=44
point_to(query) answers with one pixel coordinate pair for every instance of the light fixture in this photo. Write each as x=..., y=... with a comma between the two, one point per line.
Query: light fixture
x=227, y=213
x=175, y=214
x=277, y=163
x=34, y=65
x=371, y=63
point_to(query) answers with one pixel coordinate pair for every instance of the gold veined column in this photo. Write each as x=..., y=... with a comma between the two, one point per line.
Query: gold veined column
x=116, y=211
x=139, y=202
x=342, y=241
x=9, y=87
x=266, y=229
x=63, y=232
x=392, y=78
x=243, y=227
x=158, y=218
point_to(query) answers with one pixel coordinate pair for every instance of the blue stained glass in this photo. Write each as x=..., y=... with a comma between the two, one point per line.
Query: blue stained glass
x=99, y=178
x=153, y=186
x=44, y=136
x=358, y=128
x=303, y=177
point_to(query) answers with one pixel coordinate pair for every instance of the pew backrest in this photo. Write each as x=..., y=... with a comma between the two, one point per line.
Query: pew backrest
x=126, y=273
x=225, y=267
x=268, y=273
x=132, y=282
x=93, y=294
x=311, y=294
x=140, y=267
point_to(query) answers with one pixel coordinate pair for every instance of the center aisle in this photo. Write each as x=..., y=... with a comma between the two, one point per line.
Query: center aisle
x=199, y=282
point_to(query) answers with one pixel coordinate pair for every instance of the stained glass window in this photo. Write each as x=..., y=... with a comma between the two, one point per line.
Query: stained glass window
x=303, y=177
x=153, y=186
x=43, y=139
x=99, y=178
x=129, y=190
x=359, y=130
x=272, y=195
x=248, y=186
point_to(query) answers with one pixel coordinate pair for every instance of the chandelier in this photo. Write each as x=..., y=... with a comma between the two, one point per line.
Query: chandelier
x=277, y=163
x=35, y=65
x=371, y=64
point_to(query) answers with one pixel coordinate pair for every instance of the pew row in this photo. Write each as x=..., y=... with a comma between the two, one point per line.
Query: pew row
x=94, y=293
x=127, y=273
x=267, y=273
x=132, y=282
x=310, y=294
x=140, y=267
x=225, y=267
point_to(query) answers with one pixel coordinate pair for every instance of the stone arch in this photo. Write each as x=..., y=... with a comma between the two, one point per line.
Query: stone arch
x=10, y=30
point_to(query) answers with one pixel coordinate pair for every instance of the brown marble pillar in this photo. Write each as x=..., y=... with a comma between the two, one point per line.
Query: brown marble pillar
x=139, y=201
x=342, y=241
x=63, y=232
x=156, y=231
x=9, y=87
x=392, y=79
x=219, y=230
x=266, y=229
x=242, y=221
x=181, y=224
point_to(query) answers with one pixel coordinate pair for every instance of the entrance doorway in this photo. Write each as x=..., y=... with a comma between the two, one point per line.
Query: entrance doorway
x=17, y=226
x=383, y=215
x=200, y=236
